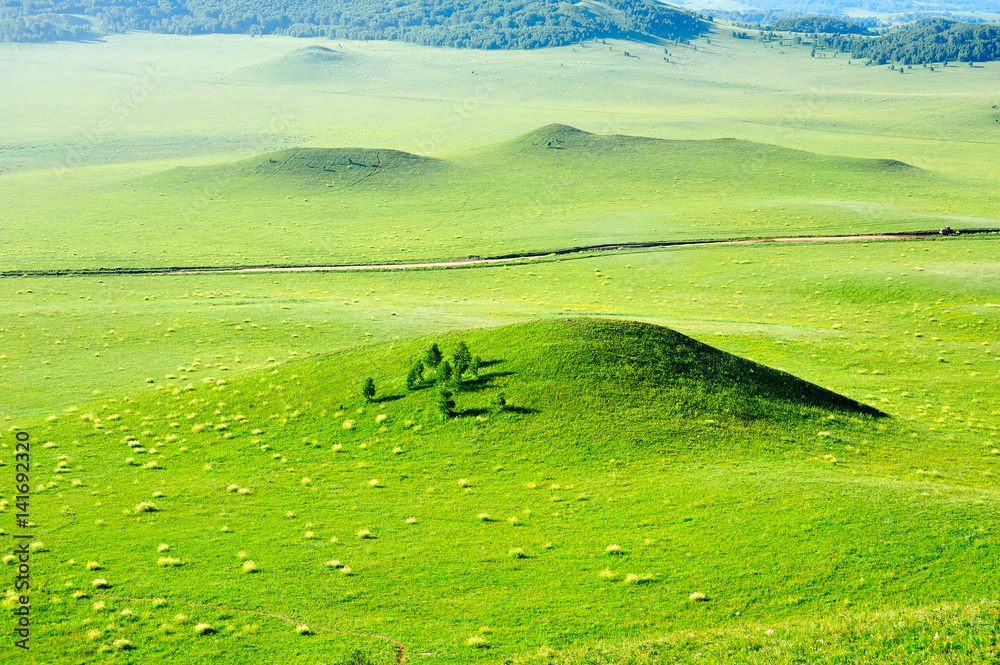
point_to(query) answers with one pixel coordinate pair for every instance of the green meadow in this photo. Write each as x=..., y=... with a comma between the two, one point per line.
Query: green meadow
x=759, y=453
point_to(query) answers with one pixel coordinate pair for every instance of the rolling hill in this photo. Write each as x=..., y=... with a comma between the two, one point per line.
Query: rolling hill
x=531, y=193
x=636, y=482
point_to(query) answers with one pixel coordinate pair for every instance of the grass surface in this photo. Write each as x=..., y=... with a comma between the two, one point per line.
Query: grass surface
x=551, y=189
x=741, y=502
x=773, y=507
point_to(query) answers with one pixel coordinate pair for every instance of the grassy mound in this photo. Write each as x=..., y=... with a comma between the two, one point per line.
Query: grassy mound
x=626, y=487
x=550, y=189
x=643, y=358
x=303, y=65
x=308, y=166
x=724, y=157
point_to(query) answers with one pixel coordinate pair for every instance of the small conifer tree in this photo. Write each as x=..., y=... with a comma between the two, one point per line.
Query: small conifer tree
x=500, y=402
x=474, y=366
x=462, y=358
x=416, y=376
x=368, y=389
x=445, y=372
x=446, y=405
x=432, y=358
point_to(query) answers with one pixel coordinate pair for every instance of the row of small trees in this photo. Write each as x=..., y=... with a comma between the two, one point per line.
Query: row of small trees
x=450, y=375
x=447, y=373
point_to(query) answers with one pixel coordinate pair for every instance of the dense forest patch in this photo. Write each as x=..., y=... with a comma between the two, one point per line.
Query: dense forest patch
x=459, y=23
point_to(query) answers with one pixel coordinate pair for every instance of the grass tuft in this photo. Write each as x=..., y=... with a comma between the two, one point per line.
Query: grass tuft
x=477, y=642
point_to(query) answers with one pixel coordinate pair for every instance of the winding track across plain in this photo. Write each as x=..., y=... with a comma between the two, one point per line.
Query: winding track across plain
x=475, y=260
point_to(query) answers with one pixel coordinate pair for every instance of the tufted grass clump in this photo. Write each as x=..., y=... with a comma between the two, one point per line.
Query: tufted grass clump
x=249, y=566
x=203, y=629
x=167, y=561
x=698, y=596
x=100, y=583
x=162, y=547
x=614, y=550
x=633, y=578
x=303, y=629
x=145, y=507
x=93, y=565
x=364, y=534
x=517, y=553
x=123, y=644
x=477, y=642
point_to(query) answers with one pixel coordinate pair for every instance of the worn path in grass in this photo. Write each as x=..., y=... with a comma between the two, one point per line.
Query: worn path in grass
x=471, y=261
x=400, y=647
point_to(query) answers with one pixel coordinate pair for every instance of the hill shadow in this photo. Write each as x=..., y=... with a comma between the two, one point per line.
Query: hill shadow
x=662, y=357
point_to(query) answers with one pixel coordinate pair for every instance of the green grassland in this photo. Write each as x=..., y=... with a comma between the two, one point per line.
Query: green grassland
x=815, y=531
x=550, y=189
x=166, y=102
x=718, y=476
x=709, y=487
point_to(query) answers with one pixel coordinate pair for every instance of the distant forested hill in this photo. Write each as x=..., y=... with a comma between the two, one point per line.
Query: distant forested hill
x=926, y=41
x=823, y=24
x=459, y=23
x=882, y=6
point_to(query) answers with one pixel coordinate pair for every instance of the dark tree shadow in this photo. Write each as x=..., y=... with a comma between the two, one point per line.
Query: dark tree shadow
x=466, y=413
x=387, y=398
x=482, y=381
x=519, y=409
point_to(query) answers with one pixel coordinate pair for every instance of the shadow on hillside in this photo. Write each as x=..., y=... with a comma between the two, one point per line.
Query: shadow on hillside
x=472, y=385
x=387, y=398
x=523, y=410
x=482, y=382
x=520, y=410
x=668, y=358
x=467, y=413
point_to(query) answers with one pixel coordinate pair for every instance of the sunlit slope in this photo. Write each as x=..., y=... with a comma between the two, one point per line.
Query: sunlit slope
x=553, y=188
x=310, y=64
x=631, y=467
